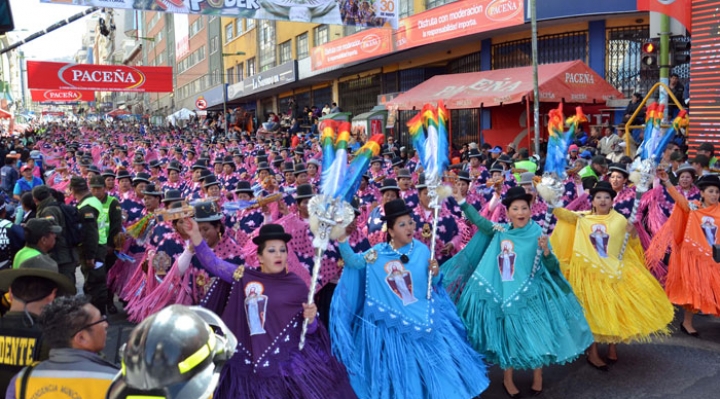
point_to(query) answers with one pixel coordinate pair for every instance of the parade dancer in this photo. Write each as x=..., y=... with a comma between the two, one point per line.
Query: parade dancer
x=520, y=311
x=633, y=306
x=395, y=342
x=265, y=310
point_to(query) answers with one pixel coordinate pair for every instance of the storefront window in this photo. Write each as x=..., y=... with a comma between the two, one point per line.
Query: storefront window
x=359, y=95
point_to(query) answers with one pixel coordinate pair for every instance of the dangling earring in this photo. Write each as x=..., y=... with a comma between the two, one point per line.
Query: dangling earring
x=219, y=236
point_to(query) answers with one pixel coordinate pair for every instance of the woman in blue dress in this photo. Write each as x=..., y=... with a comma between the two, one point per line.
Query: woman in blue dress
x=519, y=310
x=396, y=342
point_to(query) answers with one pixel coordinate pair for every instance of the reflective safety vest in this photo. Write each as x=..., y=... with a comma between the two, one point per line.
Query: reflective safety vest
x=103, y=220
x=528, y=165
x=587, y=172
x=24, y=254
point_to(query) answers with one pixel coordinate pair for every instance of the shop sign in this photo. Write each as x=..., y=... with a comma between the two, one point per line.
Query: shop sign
x=273, y=77
x=62, y=96
x=59, y=75
x=356, y=47
x=458, y=19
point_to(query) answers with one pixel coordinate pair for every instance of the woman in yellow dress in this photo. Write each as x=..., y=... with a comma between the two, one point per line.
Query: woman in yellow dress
x=622, y=301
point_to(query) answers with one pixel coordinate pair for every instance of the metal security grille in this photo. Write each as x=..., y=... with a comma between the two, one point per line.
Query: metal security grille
x=322, y=96
x=622, y=60
x=468, y=63
x=465, y=126
x=359, y=95
x=562, y=47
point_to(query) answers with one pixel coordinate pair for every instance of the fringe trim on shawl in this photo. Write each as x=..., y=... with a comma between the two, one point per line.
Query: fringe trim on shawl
x=383, y=363
x=630, y=308
x=310, y=374
x=693, y=279
x=549, y=330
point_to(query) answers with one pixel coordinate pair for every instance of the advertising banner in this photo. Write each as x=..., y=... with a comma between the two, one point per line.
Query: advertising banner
x=182, y=35
x=356, y=47
x=59, y=75
x=62, y=96
x=678, y=9
x=365, y=13
x=457, y=19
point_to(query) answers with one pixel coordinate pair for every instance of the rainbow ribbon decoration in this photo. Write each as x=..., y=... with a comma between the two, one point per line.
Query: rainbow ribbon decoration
x=559, y=139
x=330, y=210
x=429, y=136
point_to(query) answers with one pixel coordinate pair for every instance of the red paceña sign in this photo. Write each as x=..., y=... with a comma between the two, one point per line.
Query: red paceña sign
x=58, y=75
x=58, y=96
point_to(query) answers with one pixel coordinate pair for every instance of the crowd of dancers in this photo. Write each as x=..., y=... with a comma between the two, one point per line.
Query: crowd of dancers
x=225, y=224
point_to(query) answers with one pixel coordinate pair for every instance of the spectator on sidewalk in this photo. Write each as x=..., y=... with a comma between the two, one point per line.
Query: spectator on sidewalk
x=31, y=287
x=75, y=332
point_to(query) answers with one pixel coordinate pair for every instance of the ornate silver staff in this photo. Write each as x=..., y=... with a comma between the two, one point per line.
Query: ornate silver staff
x=646, y=169
x=328, y=219
x=435, y=204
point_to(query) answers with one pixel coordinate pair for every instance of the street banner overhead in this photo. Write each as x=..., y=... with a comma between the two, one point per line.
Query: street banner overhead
x=62, y=96
x=62, y=76
x=373, y=13
x=681, y=10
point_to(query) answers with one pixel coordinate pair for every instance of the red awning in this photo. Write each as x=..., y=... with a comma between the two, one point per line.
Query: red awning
x=573, y=82
x=118, y=112
x=5, y=114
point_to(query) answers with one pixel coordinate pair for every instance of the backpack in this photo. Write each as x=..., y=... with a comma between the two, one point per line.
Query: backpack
x=6, y=254
x=72, y=231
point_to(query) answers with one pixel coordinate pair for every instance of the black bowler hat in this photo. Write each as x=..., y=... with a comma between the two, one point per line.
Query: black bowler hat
x=263, y=166
x=708, y=180
x=108, y=173
x=397, y=161
x=207, y=211
x=474, y=153
x=395, y=209
x=304, y=191
x=243, y=186
x=607, y=187
x=464, y=175
x=421, y=182
x=288, y=167
x=300, y=169
x=172, y=196
x=496, y=167
x=199, y=165
x=123, y=174
x=210, y=180
x=271, y=232
x=620, y=168
x=514, y=194
x=152, y=190
x=94, y=169
x=175, y=165
x=141, y=177
x=504, y=158
x=155, y=163
x=228, y=160
x=389, y=184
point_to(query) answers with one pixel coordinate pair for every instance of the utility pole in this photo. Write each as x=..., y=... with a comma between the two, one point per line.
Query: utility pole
x=665, y=33
x=536, y=89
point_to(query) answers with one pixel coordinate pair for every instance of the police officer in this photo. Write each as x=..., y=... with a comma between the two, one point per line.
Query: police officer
x=592, y=173
x=92, y=248
x=110, y=226
x=32, y=286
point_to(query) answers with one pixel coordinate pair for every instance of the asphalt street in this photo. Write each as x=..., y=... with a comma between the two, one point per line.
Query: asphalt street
x=675, y=367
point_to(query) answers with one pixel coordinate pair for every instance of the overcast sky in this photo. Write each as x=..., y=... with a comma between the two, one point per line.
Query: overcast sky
x=35, y=16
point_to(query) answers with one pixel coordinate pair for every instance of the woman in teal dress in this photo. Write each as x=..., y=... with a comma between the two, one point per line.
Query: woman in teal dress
x=519, y=310
x=395, y=342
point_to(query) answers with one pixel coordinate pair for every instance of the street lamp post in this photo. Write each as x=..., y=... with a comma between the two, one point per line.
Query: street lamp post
x=224, y=89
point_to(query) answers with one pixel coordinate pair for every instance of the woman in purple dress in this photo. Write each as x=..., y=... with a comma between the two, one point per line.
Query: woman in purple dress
x=265, y=310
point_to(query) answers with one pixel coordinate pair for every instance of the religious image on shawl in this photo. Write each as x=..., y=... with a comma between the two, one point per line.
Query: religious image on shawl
x=255, y=307
x=161, y=262
x=709, y=229
x=506, y=260
x=400, y=282
x=599, y=238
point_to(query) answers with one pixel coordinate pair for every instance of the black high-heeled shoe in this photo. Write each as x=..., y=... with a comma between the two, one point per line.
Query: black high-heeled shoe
x=535, y=392
x=513, y=396
x=603, y=368
x=692, y=334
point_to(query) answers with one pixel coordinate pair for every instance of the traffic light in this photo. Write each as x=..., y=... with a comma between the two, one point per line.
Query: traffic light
x=650, y=57
x=679, y=53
